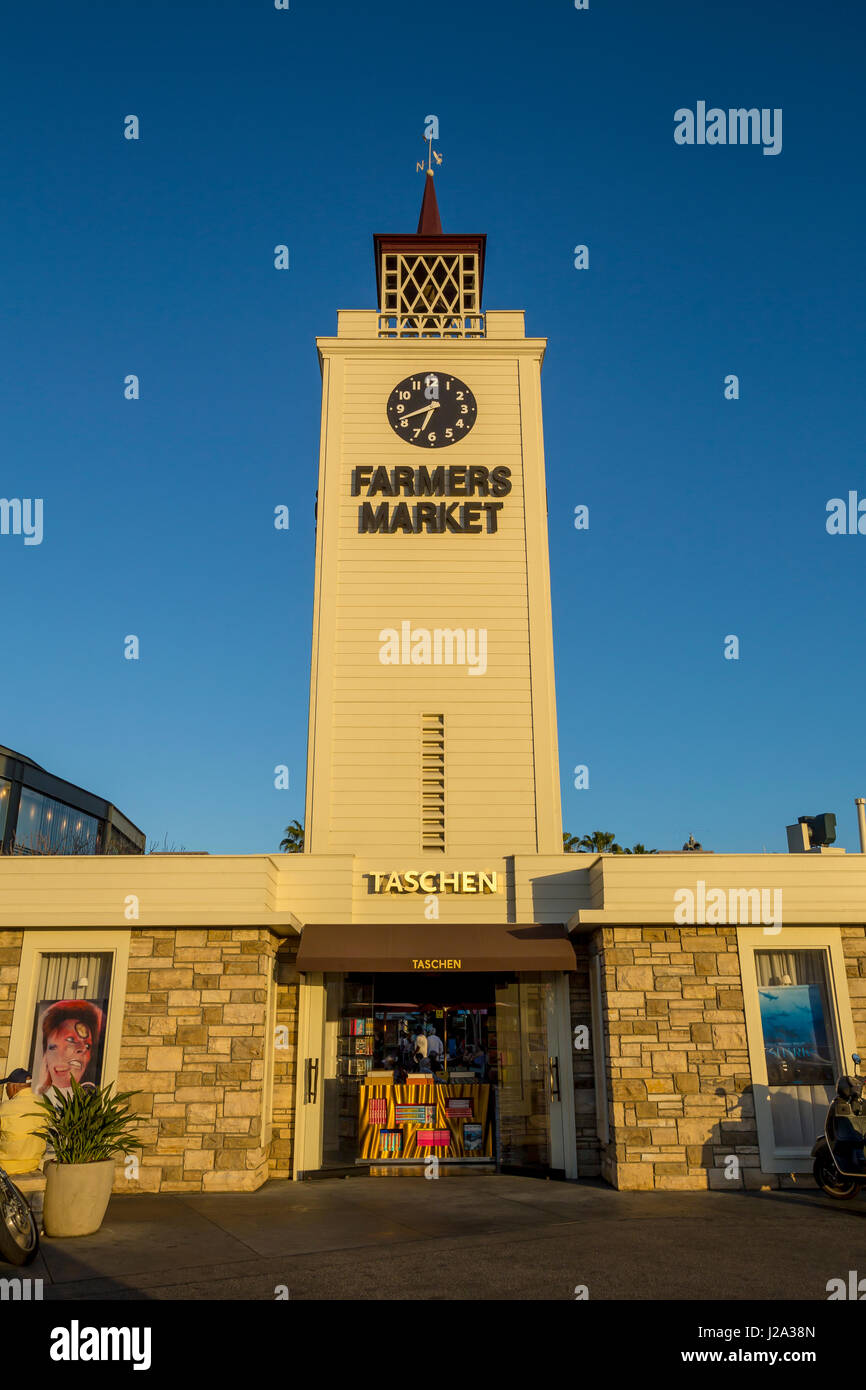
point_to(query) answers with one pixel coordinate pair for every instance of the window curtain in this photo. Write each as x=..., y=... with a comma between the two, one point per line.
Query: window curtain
x=58, y=973
x=791, y=968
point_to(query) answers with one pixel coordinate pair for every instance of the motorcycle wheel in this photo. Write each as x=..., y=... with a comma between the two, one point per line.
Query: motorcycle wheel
x=831, y=1181
x=19, y=1238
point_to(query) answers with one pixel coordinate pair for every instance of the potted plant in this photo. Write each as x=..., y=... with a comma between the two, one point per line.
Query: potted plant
x=87, y=1128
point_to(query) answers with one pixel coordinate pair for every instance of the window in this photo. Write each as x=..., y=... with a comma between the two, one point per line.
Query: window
x=799, y=1049
x=5, y=791
x=70, y=1017
x=84, y=969
x=46, y=826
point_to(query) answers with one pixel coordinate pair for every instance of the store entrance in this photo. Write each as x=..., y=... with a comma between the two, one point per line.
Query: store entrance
x=456, y=1068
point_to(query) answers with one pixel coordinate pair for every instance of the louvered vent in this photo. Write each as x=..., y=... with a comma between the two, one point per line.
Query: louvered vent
x=433, y=781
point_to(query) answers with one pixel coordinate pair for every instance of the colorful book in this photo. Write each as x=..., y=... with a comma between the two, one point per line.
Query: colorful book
x=377, y=1108
x=391, y=1142
x=473, y=1139
x=458, y=1108
x=415, y=1114
x=433, y=1138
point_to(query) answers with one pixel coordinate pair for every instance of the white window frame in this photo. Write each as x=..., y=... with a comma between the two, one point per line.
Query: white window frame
x=37, y=944
x=749, y=941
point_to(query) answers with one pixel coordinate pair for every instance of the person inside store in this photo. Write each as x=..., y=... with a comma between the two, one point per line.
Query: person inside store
x=476, y=1058
x=436, y=1057
x=419, y=1054
x=435, y=1051
x=396, y=1064
x=405, y=1047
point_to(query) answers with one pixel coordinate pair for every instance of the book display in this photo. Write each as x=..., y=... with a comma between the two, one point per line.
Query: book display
x=456, y=1122
x=355, y=1046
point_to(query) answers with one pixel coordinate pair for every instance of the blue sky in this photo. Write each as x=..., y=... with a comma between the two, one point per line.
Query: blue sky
x=707, y=516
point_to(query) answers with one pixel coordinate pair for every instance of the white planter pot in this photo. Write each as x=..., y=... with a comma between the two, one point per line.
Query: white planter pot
x=76, y=1196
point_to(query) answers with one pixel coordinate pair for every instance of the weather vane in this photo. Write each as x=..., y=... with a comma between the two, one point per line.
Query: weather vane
x=431, y=155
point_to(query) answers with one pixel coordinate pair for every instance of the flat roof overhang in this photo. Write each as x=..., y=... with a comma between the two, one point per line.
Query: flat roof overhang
x=441, y=946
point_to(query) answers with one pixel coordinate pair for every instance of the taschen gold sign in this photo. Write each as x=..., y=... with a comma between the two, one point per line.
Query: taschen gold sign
x=435, y=881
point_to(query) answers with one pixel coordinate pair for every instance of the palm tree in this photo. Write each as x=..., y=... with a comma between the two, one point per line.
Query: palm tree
x=293, y=840
x=601, y=842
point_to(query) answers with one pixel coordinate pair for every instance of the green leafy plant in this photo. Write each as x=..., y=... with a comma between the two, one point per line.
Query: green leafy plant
x=293, y=840
x=599, y=842
x=89, y=1126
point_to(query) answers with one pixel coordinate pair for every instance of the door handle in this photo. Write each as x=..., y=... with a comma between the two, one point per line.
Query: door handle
x=311, y=1080
x=554, y=1078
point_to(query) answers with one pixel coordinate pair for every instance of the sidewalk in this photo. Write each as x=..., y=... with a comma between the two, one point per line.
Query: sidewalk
x=498, y=1237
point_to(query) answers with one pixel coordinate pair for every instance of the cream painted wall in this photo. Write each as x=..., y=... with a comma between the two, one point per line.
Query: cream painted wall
x=364, y=763
x=283, y=891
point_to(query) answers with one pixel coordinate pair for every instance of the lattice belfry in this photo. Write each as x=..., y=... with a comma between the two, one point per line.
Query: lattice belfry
x=430, y=294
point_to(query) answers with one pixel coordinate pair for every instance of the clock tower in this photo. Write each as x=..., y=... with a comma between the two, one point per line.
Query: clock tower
x=432, y=715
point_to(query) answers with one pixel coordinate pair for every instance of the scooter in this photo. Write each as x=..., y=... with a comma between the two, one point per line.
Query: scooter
x=19, y=1235
x=839, y=1168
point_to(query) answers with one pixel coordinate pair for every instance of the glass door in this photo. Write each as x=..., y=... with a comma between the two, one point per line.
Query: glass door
x=525, y=1071
x=347, y=1056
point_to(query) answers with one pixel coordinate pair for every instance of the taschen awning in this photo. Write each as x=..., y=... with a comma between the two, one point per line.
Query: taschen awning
x=434, y=947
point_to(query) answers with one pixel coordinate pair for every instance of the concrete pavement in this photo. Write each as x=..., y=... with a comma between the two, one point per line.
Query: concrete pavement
x=496, y=1237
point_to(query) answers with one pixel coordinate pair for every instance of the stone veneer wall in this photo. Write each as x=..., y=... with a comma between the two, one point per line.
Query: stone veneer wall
x=680, y=1084
x=678, y=1063
x=854, y=948
x=10, y=959
x=195, y=1045
x=588, y=1145
x=285, y=1063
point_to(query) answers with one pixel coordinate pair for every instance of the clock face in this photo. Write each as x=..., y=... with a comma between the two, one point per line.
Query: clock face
x=432, y=410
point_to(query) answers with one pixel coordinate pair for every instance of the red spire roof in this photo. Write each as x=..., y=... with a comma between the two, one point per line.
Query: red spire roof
x=429, y=240
x=429, y=223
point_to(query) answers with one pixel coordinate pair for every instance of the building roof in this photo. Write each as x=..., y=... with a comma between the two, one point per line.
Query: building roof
x=20, y=757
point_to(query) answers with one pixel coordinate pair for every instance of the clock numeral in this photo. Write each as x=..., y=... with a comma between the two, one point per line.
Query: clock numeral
x=459, y=394
x=432, y=436
x=416, y=386
x=449, y=434
x=400, y=409
x=459, y=425
x=464, y=410
x=415, y=433
x=405, y=395
x=404, y=424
